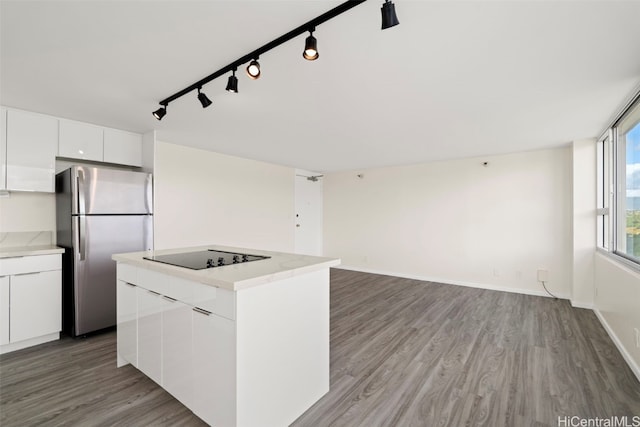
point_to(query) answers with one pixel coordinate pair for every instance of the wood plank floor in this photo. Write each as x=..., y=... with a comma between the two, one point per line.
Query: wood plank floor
x=403, y=353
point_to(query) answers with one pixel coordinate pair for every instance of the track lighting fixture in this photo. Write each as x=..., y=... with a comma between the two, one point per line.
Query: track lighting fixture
x=160, y=113
x=232, y=83
x=253, y=69
x=310, y=47
x=389, y=17
x=204, y=100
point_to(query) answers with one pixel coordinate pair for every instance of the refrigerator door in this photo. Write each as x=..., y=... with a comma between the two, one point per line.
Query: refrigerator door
x=96, y=239
x=98, y=191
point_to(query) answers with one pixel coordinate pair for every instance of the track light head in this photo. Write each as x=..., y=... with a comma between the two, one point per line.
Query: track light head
x=310, y=47
x=232, y=83
x=253, y=69
x=160, y=113
x=204, y=100
x=389, y=17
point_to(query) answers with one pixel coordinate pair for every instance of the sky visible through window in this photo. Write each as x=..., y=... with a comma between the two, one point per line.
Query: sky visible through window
x=633, y=191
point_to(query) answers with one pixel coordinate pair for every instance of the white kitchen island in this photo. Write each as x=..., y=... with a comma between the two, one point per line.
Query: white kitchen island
x=240, y=345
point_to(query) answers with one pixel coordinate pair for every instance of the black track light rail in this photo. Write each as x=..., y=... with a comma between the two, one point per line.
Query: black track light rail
x=308, y=26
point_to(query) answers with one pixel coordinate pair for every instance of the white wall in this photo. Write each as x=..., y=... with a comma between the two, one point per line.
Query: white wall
x=583, y=192
x=618, y=305
x=457, y=221
x=28, y=212
x=203, y=198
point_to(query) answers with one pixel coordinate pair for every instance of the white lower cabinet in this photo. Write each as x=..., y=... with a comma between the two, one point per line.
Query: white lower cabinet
x=4, y=310
x=150, y=305
x=127, y=320
x=188, y=350
x=214, y=364
x=36, y=305
x=177, y=366
x=30, y=301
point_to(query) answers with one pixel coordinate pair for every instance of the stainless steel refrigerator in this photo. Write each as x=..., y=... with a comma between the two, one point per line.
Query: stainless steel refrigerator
x=99, y=212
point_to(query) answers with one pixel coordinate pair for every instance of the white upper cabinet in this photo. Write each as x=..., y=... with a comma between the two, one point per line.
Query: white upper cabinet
x=80, y=141
x=122, y=147
x=3, y=148
x=32, y=144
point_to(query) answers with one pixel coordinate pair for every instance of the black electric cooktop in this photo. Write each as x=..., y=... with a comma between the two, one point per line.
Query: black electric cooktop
x=206, y=259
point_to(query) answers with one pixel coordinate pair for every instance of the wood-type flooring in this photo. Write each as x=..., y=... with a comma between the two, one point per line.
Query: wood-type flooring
x=403, y=353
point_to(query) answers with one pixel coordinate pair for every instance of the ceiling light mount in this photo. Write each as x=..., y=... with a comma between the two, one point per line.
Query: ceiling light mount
x=160, y=112
x=232, y=83
x=311, y=47
x=204, y=100
x=253, y=69
x=389, y=17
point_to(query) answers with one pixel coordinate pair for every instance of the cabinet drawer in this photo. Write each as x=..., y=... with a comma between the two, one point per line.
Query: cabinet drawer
x=215, y=300
x=153, y=281
x=127, y=273
x=30, y=264
x=181, y=290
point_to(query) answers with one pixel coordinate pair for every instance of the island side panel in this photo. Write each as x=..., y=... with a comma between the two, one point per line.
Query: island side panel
x=282, y=331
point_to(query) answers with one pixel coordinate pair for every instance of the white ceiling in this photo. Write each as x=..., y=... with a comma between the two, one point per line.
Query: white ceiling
x=454, y=79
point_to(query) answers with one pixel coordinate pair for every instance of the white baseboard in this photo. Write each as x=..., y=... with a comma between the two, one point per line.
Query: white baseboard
x=621, y=348
x=578, y=304
x=28, y=343
x=525, y=291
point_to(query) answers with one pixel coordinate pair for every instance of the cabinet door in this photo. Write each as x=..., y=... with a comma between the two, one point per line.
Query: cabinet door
x=127, y=320
x=32, y=143
x=80, y=141
x=4, y=310
x=214, y=366
x=3, y=148
x=150, y=333
x=124, y=148
x=36, y=305
x=177, y=366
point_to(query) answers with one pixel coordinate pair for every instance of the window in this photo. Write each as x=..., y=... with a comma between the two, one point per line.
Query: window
x=604, y=191
x=618, y=186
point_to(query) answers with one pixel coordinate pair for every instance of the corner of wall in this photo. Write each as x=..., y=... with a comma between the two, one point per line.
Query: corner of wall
x=583, y=222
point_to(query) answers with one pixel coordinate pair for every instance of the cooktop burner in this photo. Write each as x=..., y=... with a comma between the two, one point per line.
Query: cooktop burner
x=205, y=259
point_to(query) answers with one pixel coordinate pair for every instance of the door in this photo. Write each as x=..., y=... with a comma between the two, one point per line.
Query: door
x=32, y=144
x=4, y=310
x=214, y=368
x=127, y=323
x=36, y=305
x=177, y=359
x=150, y=333
x=308, y=220
x=98, y=238
x=110, y=191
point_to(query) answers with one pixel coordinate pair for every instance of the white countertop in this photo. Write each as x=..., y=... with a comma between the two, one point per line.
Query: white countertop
x=19, y=251
x=235, y=277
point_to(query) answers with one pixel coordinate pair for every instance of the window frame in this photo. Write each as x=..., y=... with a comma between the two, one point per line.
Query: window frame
x=610, y=159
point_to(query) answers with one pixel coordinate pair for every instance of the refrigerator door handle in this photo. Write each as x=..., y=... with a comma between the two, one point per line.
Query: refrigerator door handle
x=148, y=197
x=82, y=232
x=80, y=188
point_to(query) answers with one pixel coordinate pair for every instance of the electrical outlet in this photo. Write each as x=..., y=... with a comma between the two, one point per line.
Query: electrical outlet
x=543, y=275
x=637, y=337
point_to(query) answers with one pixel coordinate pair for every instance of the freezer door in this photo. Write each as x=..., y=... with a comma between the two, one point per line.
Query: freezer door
x=98, y=191
x=97, y=239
